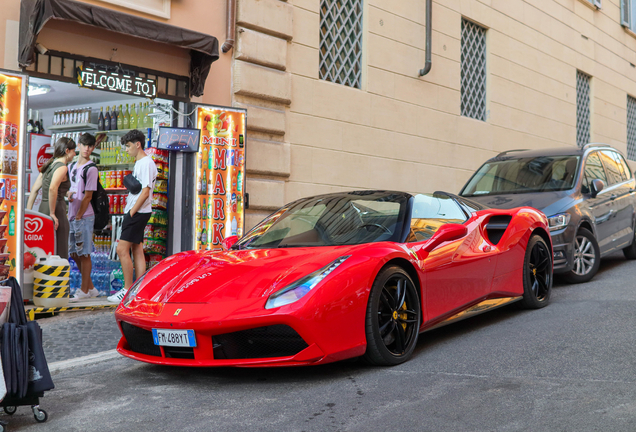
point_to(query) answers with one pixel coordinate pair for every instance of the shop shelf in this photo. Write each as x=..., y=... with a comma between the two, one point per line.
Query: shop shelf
x=121, y=131
x=119, y=165
x=74, y=127
x=116, y=189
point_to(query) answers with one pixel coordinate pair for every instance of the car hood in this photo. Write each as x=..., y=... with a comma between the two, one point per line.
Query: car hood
x=549, y=203
x=204, y=277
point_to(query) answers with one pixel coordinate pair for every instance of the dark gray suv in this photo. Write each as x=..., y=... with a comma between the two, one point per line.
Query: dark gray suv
x=587, y=194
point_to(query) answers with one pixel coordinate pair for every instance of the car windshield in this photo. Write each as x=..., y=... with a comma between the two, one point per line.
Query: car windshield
x=331, y=220
x=523, y=175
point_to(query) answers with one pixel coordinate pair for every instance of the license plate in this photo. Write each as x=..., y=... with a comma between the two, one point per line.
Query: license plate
x=178, y=338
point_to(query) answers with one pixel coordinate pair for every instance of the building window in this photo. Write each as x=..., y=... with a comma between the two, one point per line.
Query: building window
x=341, y=41
x=473, y=71
x=596, y=3
x=582, y=108
x=631, y=128
x=628, y=14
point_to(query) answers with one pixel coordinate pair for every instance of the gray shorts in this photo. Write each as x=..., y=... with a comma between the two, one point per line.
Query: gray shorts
x=80, y=239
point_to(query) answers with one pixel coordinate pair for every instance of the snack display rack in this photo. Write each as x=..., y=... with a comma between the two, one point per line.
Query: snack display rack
x=156, y=231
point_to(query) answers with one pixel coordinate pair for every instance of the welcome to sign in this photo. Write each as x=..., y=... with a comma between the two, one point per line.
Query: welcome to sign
x=118, y=83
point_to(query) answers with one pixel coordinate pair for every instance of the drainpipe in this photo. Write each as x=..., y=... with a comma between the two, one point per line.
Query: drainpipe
x=429, y=37
x=231, y=26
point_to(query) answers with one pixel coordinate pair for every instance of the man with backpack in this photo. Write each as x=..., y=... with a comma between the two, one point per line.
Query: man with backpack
x=84, y=177
x=140, y=185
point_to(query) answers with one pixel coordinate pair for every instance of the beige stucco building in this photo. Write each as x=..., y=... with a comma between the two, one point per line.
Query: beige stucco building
x=531, y=67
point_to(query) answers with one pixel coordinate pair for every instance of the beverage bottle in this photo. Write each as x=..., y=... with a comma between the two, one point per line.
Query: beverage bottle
x=146, y=116
x=239, y=181
x=140, y=117
x=120, y=119
x=126, y=119
x=204, y=210
x=100, y=120
x=30, y=125
x=107, y=119
x=234, y=226
x=204, y=237
x=41, y=126
x=113, y=119
x=210, y=215
x=211, y=157
x=211, y=183
x=36, y=122
x=133, y=116
x=12, y=222
x=56, y=115
x=204, y=183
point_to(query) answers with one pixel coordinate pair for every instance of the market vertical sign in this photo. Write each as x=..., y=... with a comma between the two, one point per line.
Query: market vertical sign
x=116, y=82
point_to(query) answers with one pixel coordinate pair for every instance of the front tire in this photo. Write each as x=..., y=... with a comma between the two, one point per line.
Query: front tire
x=587, y=257
x=393, y=318
x=537, y=274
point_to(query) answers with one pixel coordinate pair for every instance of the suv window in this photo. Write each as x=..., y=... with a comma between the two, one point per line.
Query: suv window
x=613, y=171
x=628, y=172
x=593, y=170
x=625, y=171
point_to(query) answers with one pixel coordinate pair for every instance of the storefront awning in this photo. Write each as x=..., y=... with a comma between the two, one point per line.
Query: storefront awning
x=34, y=14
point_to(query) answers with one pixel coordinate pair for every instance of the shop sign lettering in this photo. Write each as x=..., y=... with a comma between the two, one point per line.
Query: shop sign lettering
x=118, y=83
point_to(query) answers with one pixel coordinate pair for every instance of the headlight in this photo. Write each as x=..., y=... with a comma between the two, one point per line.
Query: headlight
x=132, y=292
x=298, y=289
x=559, y=221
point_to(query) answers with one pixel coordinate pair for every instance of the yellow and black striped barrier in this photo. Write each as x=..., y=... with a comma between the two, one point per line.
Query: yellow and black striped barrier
x=49, y=282
x=44, y=295
x=44, y=289
x=54, y=271
x=32, y=312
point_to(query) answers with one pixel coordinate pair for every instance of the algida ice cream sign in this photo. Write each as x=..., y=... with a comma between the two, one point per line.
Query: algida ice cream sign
x=116, y=82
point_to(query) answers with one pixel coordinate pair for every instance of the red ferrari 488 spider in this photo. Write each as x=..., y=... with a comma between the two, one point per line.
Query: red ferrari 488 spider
x=337, y=276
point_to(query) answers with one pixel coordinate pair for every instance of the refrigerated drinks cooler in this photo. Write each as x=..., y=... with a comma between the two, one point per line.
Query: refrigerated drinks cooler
x=220, y=180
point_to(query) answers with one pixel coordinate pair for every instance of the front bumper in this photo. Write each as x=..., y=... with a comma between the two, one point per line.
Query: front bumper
x=261, y=340
x=563, y=249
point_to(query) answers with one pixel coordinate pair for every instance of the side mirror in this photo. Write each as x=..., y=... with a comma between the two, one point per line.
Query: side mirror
x=596, y=187
x=447, y=232
x=228, y=242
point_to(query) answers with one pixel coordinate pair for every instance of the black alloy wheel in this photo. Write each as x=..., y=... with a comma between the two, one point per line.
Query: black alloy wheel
x=393, y=318
x=537, y=274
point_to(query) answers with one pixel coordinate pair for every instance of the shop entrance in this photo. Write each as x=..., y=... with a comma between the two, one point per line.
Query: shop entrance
x=59, y=109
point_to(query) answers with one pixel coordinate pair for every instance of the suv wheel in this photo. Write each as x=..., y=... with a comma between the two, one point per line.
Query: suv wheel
x=587, y=257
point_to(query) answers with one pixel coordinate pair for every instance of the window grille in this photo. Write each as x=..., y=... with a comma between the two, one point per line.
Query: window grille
x=631, y=128
x=582, y=108
x=341, y=41
x=473, y=71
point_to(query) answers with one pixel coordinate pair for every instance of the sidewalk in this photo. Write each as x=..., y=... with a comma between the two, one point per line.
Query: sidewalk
x=76, y=334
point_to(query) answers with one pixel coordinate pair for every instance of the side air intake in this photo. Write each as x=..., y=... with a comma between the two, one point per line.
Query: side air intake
x=496, y=227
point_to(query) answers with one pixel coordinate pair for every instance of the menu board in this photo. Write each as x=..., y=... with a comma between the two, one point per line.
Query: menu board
x=11, y=117
x=220, y=181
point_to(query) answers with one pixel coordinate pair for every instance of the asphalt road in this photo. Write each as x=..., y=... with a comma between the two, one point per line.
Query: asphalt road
x=567, y=367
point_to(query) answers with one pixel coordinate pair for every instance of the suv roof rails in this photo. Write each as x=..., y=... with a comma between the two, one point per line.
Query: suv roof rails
x=510, y=151
x=586, y=146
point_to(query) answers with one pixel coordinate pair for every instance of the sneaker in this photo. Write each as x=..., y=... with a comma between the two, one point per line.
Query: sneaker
x=118, y=296
x=81, y=295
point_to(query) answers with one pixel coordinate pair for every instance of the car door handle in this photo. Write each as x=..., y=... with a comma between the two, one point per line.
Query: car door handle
x=613, y=196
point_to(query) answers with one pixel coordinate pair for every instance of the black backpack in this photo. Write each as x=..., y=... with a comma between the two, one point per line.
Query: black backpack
x=99, y=201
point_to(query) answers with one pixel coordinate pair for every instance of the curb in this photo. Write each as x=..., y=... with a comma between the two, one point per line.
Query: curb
x=83, y=361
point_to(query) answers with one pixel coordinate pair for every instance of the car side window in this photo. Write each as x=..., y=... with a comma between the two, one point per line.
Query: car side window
x=431, y=212
x=613, y=171
x=593, y=170
x=627, y=173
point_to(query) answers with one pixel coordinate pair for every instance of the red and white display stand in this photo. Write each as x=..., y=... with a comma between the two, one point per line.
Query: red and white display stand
x=39, y=239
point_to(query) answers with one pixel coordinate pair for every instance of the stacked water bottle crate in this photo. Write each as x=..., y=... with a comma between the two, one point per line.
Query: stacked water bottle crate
x=105, y=274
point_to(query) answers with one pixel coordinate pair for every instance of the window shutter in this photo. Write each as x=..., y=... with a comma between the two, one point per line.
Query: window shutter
x=625, y=12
